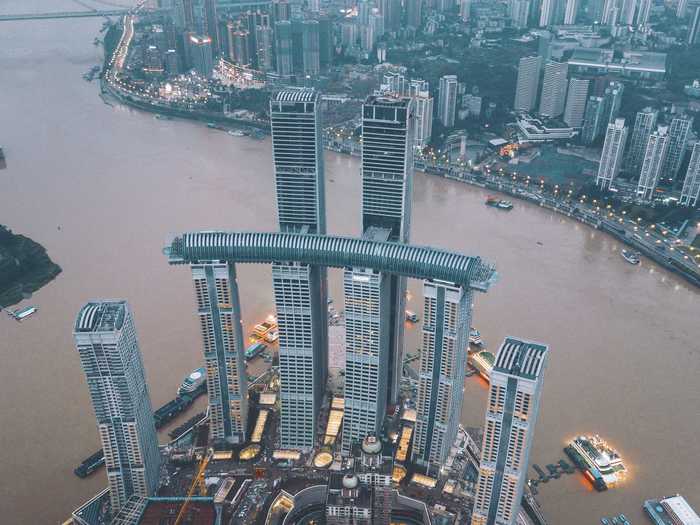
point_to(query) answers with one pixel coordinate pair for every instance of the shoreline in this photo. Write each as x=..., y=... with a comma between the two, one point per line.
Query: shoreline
x=580, y=213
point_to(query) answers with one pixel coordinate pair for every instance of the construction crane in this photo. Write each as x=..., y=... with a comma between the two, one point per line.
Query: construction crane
x=198, y=481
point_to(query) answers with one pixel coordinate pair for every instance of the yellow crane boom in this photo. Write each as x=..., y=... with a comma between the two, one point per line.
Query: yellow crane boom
x=197, y=481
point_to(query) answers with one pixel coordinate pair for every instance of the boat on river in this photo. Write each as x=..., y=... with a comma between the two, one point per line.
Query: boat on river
x=630, y=256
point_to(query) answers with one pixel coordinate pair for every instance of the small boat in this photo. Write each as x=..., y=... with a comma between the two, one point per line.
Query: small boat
x=162, y=117
x=624, y=519
x=192, y=382
x=271, y=336
x=630, y=256
x=615, y=521
x=411, y=317
x=605, y=521
x=236, y=133
x=21, y=315
x=498, y=203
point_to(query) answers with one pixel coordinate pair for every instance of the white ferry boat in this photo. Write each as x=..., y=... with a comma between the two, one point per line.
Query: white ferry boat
x=475, y=337
x=192, y=382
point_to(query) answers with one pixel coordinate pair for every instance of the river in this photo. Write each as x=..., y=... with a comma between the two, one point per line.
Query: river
x=102, y=187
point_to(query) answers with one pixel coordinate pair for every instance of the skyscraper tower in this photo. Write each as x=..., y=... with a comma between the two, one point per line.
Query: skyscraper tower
x=654, y=156
x=529, y=69
x=300, y=290
x=368, y=300
x=678, y=138
x=547, y=12
x=576, y=102
x=681, y=8
x=219, y=313
x=694, y=28
x=612, y=98
x=511, y=414
x=283, y=48
x=553, y=89
x=105, y=338
x=571, y=12
x=644, y=125
x=446, y=322
x=424, y=112
x=690, y=194
x=310, y=43
x=414, y=13
x=388, y=129
x=447, y=100
x=611, y=157
x=200, y=49
x=593, y=121
x=643, y=12
x=519, y=13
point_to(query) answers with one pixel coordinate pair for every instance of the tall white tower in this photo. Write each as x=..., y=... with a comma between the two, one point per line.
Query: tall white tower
x=511, y=415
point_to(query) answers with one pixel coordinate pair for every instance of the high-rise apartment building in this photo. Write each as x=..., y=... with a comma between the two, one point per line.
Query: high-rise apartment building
x=368, y=300
x=677, y=141
x=554, y=85
x=446, y=321
x=519, y=13
x=694, y=28
x=627, y=10
x=644, y=125
x=612, y=97
x=465, y=9
x=681, y=8
x=529, y=69
x=643, y=11
x=690, y=194
x=420, y=93
x=654, y=156
x=611, y=157
x=547, y=9
x=283, y=48
x=414, y=13
x=200, y=51
x=105, y=338
x=570, y=12
x=300, y=290
x=310, y=48
x=576, y=102
x=511, y=414
x=219, y=313
x=447, y=100
x=388, y=137
x=593, y=120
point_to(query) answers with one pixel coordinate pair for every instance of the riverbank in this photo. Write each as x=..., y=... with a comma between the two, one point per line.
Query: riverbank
x=24, y=267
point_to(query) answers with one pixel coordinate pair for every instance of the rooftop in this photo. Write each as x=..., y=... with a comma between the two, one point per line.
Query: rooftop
x=103, y=316
x=631, y=60
x=295, y=95
x=521, y=358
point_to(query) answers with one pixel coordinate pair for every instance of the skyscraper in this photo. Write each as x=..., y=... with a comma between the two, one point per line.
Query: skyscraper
x=681, y=8
x=414, y=13
x=200, y=51
x=690, y=194
x=611, y=157
x=610, y=10
x=447, y=100
x=528, y=82
x=553, y=89
x=593, y=121
x=519, y=12
x=424, y=112
x=388, y=128
x=465, y=9
x=211, y=25
x=219, y=313
x=513, y=404
x=576, y=102
x=571, y=12
x=612, y=99
x=446, y=322
x=677, y=140
x=546, y=12
x=283, y=48
x=627, y=10
x=105, y=338
x=265, y=42
x=654, y=156
x=310, y=43
x=644, y=125
x=300, y=290
x=368, y=300
x=694, y=28
x=643, y=12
